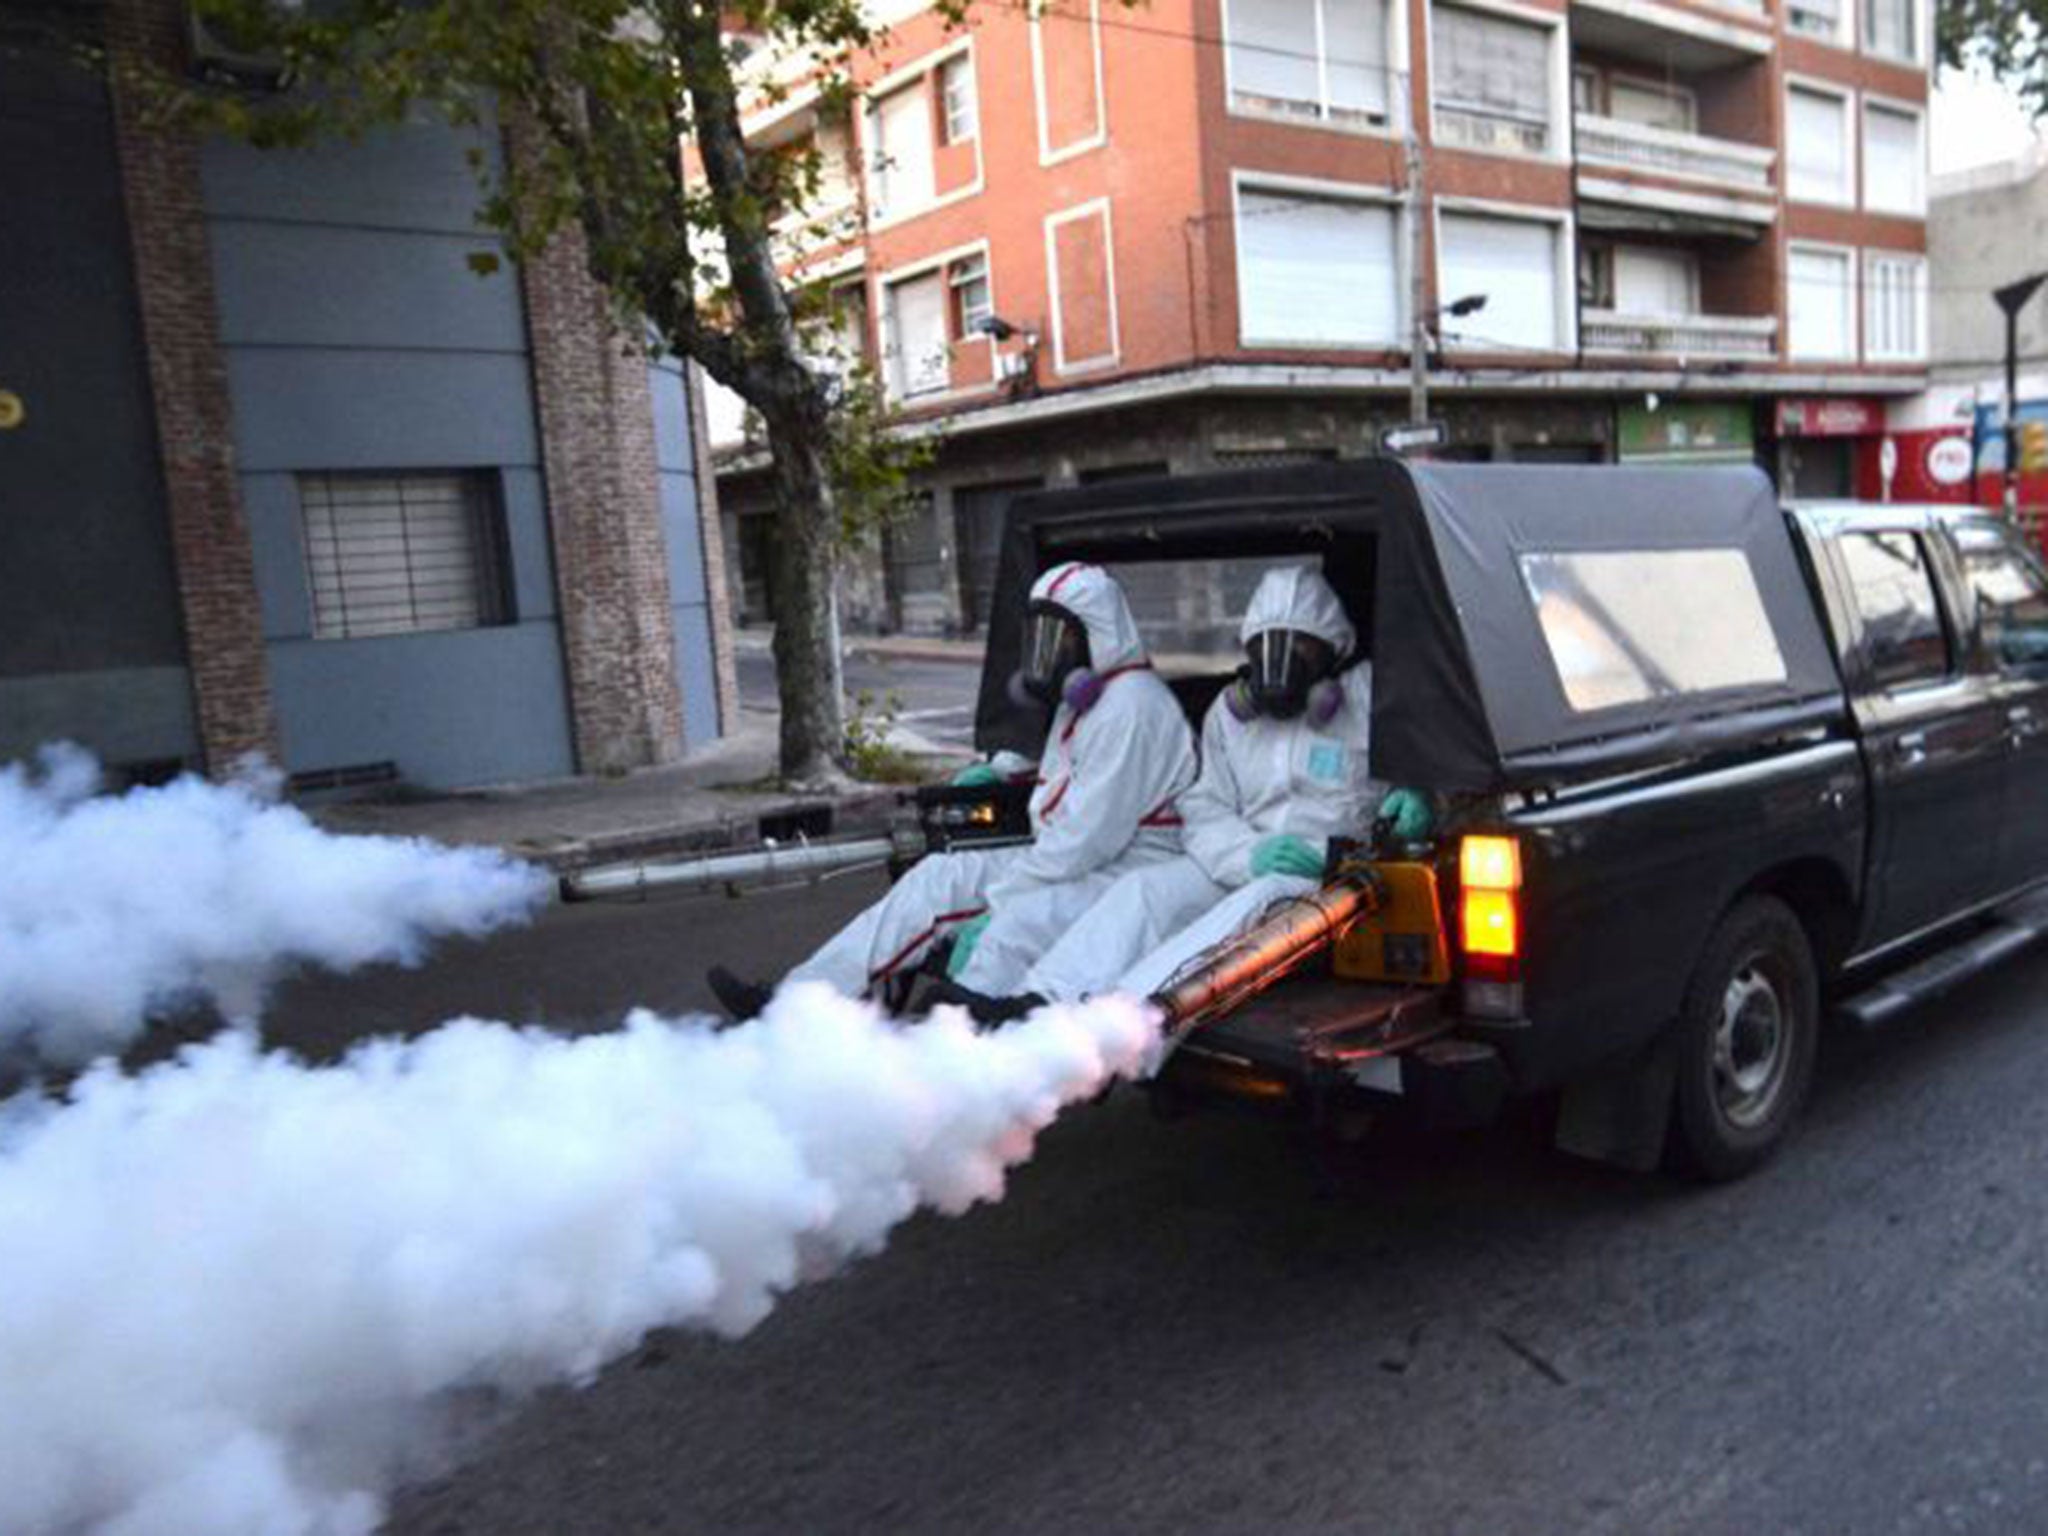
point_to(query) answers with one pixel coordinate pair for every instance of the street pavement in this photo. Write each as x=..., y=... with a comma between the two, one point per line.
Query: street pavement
x=1198, y=1326
x=935, y=694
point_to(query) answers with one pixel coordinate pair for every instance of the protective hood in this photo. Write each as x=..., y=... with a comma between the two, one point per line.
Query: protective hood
x=1294, y=597
x=1091, y=594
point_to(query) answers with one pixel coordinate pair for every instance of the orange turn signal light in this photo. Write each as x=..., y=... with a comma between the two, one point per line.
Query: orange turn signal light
x=1490, y=924
x=1490, y=863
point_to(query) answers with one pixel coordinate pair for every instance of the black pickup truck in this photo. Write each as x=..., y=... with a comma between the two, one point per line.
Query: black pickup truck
x=1709, y=771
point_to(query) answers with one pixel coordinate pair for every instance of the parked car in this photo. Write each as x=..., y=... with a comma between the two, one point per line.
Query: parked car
x=1709, y=770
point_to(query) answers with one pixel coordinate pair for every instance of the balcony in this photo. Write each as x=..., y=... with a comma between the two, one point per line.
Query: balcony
x=1610, y=333
x=1674, y=37
x=1608, y=141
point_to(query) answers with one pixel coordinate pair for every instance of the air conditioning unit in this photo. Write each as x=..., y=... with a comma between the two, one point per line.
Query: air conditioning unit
x=219, y=56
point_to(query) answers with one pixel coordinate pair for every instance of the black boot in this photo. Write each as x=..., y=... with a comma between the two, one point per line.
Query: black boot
x=983, y=1009
x=742, y=1000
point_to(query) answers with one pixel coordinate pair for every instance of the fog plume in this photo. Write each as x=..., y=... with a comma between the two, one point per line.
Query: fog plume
x=236, y=1285
x=115, y=906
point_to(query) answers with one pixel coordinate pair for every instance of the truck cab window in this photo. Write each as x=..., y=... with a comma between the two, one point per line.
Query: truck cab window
x=2011, y=591
x=1904, y=639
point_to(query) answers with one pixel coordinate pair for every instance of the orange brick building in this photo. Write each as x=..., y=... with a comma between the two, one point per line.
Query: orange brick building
x=1091, y=240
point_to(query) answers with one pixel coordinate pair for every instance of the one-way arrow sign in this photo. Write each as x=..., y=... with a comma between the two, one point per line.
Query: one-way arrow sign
x=1427, y=434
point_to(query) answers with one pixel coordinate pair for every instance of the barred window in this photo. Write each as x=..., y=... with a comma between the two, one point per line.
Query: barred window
x=402, y=554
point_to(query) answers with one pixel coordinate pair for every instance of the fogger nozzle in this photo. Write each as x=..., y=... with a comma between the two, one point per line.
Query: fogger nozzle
x=1293, y=931
x=767, y=863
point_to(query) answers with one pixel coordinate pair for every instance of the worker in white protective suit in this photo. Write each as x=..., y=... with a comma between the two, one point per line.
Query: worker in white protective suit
x=1117, y=758
x=1285, y=766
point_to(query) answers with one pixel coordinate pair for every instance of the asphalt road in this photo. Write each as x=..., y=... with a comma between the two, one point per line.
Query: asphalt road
x=936, y=698
x=1177, y=1328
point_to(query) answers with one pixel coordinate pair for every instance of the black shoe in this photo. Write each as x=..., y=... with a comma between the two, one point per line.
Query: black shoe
x=742, y=1000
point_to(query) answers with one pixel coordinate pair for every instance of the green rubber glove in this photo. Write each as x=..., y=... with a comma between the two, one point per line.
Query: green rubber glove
x=963, y=944
x=1407, y=813
x=1285, y=854
x=977, y=773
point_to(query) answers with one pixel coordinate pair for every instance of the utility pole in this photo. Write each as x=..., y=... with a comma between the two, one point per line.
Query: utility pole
x=2012, y=298
x=1418, y=293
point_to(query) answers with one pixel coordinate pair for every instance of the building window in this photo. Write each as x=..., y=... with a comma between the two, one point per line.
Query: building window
x=1491, y=80
x=1316, y=270
x=1321, y=59
x=956, y=98
x=836, y=341
x=1517, y=263
x=402, y=554
x=1822, y=300
x=917, y=356
x=1894, y=307
x=1819, y=167
x=1670, y=107
x=1824, y=19
x=1894, y=160
x=1892, y=28
x=900, y=133
x=1639, y=280
x=972, y=305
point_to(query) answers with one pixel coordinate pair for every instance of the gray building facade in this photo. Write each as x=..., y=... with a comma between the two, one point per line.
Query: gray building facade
x=291, y=475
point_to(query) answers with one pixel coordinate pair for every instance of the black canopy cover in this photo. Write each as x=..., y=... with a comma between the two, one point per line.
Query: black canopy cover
x=1466, y=695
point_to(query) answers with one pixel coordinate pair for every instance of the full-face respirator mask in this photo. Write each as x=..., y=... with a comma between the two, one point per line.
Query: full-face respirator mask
x=1288, y=674
x=1057, y=667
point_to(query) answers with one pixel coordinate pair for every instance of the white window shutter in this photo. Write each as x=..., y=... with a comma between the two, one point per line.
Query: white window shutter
x=1893, y=161
x=1817, y=145
x=903, y=144
x=1491, y=64
x=1514, y=262
x=1652, y=281
x=919, y=361
x=1273, y=49
x=1316, y=270
x=1821, y=284
x=1355, y=40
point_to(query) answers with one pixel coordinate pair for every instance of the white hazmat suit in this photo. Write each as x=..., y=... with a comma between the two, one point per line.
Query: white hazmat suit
x=1260, y=778
x=1109, y=779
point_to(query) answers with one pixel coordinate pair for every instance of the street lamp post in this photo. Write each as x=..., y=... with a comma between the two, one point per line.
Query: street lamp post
x=1418, y=357
x=2012, y=298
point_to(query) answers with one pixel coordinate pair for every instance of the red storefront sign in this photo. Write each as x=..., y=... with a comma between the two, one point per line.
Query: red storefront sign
x=1844, y=416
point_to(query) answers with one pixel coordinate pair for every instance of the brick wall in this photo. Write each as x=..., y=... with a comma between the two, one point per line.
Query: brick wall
x=604, y=513
x=195, y=430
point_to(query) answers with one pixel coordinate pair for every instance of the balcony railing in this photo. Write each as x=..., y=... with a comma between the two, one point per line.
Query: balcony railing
x=1661, y=151
x=1735, y=336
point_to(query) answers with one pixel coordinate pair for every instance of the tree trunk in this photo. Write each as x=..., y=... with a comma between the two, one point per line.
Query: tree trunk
x=806, y=671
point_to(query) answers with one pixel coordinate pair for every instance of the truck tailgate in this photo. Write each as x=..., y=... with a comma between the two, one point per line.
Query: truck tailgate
x=1316, y=1024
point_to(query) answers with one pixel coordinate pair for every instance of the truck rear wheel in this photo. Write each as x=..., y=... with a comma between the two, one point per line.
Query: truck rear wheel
x=1745, y=1042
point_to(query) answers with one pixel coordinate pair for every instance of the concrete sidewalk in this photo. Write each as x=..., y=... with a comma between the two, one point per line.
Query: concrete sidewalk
x=713, y=799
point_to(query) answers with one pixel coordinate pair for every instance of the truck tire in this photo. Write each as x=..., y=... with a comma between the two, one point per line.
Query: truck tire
x=1745, y=1042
